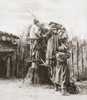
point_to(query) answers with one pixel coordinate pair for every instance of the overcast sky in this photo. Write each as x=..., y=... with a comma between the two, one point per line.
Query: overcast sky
x=14, y=17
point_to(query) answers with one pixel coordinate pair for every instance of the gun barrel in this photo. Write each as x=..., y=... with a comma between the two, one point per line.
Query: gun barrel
x=32, y=13
x=64, y=46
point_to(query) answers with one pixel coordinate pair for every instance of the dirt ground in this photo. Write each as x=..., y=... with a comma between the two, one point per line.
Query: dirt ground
x=14, y=89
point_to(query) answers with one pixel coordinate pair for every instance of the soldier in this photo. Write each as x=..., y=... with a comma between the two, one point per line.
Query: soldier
x=52, y=43
x=52, y=48
x=34, y=34
x=62, y=77
x=34, y=52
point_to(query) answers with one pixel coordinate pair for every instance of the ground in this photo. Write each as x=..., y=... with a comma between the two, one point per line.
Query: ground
x=15, y=89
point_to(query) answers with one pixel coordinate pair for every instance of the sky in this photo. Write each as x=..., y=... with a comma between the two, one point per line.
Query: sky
x=14, y=17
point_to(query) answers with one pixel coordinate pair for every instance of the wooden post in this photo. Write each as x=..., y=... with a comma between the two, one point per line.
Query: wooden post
x=8, y=67
x=84, y=64
x=75, y=64
x=13, y=64
x=17, y=60
x=70, y=61
x=86, y=60
x=80, y=59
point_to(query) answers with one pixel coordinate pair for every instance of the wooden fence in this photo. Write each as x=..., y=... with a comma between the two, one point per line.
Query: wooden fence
x=78, y=60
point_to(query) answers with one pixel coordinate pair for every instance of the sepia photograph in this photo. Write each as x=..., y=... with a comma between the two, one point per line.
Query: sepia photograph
x=43, y=49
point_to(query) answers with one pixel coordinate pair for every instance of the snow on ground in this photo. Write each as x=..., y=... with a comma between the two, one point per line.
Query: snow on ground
x=14, y=89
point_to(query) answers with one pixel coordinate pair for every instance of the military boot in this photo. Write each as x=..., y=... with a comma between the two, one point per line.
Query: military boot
x=56, y=87
x=64, y=92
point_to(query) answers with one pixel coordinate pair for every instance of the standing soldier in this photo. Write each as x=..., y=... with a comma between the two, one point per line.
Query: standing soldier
x=52, y=48
x=33, y=73
x=62, y=76
x=34, y=34
x=56, y=56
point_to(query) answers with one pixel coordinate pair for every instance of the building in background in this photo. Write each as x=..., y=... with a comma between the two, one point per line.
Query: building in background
x=8, y=53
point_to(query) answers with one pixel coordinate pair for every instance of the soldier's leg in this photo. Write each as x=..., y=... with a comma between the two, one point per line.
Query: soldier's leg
x=35, y=44
x=63, y=89
x=64, y=77
x=56, y=86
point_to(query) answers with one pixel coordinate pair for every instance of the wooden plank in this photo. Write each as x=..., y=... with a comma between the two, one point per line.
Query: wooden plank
x=77, y=59
x=8, y=67
x=85, y=67
x=80, y=59
x=83, y=60
x=70, y=60
x=13, y=65
x=74, y=42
